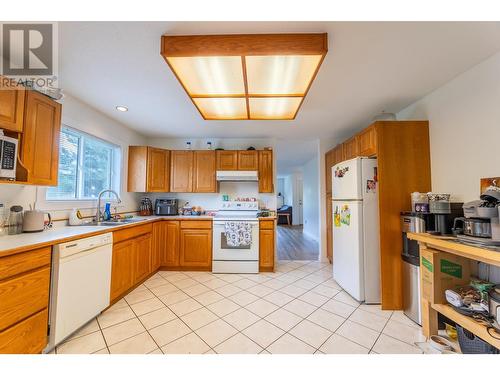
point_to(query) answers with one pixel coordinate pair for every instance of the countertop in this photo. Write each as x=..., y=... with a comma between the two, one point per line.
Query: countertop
x=451, y=245
x=27, y=241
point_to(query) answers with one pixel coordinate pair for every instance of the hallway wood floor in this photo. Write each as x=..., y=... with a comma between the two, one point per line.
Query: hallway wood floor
x=294, y=245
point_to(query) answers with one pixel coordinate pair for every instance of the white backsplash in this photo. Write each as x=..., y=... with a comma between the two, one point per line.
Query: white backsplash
x=211, y=201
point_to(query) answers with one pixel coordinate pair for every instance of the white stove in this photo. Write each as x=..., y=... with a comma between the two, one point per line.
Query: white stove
x=236, y=259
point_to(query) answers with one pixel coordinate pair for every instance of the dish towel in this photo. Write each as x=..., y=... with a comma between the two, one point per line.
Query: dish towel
x=238, y=234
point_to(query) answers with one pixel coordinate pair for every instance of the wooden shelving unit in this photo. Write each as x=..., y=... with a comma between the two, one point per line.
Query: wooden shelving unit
x=468, y=323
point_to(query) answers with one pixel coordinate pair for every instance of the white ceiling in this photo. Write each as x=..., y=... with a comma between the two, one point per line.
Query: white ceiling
x=370, y=67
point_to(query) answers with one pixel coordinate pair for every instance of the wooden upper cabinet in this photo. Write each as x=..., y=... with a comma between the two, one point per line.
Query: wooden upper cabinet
x=248, y=160
x=329, y=163
x=204, y=172
x=350, y=148
x=339, y=154
x=367, y=142
x=11, y=107
x=227, y=160
x=266, y=176
x=158, y=164
x=40, y=139
x=148, y=169
x=181, y=171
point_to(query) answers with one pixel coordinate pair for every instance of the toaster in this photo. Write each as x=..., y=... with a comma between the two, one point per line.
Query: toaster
x=166, y=207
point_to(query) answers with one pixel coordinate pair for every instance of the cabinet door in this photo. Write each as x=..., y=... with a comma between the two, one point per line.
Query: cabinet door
x=266, y=250
x=40, y=140
x=122, y=268
x=204, y=172
x=196, y=248
x=170, y=253
x=339, y=154
x=266, y=178
x=181, y=171
x=158, y=166
x=227, y=160
x=329, y=163
x=11, y=108
x=158, y=244
x=142, y=261
x=248, y=160
x=329, y=228
x=350, y=148
x=367, y=142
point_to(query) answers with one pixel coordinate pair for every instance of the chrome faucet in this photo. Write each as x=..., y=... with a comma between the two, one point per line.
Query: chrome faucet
x=98, y=214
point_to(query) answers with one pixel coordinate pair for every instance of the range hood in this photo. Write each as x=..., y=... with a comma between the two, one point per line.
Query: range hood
x=237, y=176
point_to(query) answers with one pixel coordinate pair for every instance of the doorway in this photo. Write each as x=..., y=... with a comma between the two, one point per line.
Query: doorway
x=298, y=201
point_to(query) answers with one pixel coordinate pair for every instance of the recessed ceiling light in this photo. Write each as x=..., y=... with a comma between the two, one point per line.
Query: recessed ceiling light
x=121, y=108
x=245, y=77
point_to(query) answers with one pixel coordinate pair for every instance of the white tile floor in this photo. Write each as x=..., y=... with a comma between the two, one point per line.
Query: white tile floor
x=297, y=309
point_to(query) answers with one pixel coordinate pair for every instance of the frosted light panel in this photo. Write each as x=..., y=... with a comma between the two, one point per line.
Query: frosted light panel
x=280, y=74
x=274, y=108
x=221, y=75
x=222, y=108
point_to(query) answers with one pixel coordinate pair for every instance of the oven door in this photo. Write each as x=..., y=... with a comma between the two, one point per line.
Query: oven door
x=222, y=251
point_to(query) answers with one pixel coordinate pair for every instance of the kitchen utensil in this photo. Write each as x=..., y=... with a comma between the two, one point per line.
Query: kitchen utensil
x=475, y=227
x=34, y=221
x=16, y=220
x=492, y=194
x=440, y=343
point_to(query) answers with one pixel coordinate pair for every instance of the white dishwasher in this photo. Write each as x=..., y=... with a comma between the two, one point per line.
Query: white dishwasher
x=80, y=284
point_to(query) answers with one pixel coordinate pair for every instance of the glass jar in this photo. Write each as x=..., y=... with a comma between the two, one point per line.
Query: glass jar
x=16, y=220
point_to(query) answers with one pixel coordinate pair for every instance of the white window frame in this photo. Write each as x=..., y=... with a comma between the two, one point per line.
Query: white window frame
x=64, y=204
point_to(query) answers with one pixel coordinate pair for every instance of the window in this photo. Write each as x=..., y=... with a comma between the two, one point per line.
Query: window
x=87, y=165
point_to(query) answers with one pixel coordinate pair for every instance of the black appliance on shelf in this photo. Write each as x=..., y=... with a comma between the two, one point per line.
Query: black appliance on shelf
x=166, y=207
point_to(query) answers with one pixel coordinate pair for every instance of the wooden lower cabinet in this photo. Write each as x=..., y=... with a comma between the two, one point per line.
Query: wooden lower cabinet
x=195, y=251
x=266, y=245
x=329, y=228
x=122, y=277
x=26, y=337
x=142, y=261
x=170, y=252
x=158, y=240
x=24, y=301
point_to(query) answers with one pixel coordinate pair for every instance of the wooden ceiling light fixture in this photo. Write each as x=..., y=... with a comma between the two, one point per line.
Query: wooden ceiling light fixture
x=245, y=77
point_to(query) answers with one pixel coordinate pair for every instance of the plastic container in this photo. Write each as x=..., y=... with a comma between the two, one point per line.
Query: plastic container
x=419, y=200
x=471, y=344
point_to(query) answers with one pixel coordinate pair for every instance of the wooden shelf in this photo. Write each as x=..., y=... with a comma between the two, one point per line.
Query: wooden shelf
x=460, y=249
x=468, y=323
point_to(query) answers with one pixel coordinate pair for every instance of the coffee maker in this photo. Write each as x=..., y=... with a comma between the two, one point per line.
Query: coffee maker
x=444, y=213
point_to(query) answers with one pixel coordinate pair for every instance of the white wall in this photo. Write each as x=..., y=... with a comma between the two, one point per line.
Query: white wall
x=211, y=201
x=80, y=116
x=311, y=210
x=464, y=117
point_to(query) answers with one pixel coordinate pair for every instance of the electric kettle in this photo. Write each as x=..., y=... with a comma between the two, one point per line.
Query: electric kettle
x=34, y=221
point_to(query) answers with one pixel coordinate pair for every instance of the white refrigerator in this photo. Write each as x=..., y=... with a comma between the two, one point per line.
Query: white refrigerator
x=356, y=252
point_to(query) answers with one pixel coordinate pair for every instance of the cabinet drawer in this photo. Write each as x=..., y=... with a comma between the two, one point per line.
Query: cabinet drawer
x=23, y=296
x=196, y=224
x=19, y=263
x=126, y=234
x=26, y=337
x=266, y=224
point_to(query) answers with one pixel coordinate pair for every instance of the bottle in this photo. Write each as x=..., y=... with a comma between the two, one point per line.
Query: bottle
x=107, y=211
x=209, y=145
x=188, y=145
